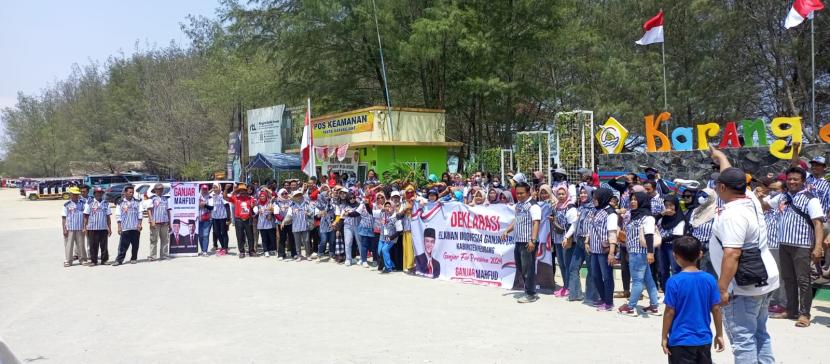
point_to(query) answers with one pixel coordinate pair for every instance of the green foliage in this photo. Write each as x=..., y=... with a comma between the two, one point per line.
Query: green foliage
x=527, y=152
x=490, y=160
x=404, y=173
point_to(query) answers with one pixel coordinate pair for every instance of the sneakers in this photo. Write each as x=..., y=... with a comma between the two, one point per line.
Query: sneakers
x=528, y=298
x=314, y=256
x=558, y=292
x=115, y=264
x=241, y=255
x=222, y=252
x=604, y=307
x=652, y=310
x=348, y=262
x=625, y=309
x=365, y=265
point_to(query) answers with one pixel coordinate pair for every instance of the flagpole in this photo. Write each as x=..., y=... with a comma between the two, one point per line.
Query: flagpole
x=813, y=65
x=383, y=70
x=665, y=86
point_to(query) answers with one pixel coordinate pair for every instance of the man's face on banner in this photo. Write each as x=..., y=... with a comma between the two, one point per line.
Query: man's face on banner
x=429, y=243
x=192, y=228
x=175, y=227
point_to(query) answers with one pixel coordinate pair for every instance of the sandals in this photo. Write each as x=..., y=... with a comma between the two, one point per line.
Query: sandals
x=803, y=321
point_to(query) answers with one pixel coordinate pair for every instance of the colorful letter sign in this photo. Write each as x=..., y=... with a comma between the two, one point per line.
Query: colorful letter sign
x=612, y=136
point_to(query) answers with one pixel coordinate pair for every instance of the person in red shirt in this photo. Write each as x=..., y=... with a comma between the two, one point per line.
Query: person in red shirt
x=243, y=205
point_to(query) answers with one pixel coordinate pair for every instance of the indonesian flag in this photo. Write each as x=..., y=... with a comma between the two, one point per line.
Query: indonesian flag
x=802, y=9
x=307, y=145
x=654, y=30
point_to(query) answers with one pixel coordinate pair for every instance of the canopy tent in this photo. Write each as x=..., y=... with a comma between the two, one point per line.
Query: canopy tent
x=275, y=161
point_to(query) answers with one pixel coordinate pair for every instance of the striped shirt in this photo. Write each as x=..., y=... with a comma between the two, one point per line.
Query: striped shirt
x=129, y=214
x=300, y=212
x=351, y=222
x=562, y=217
x=586, y=213
x=74, y=214
x=327, y=208
x=772, y=218
x=160, y=211
x=632, y=234
x=793, y=229
x=703, y=232
x=367, y=219
x=219, y=204
x=264, y=216
x=98, y=212
x=821, y=189
x=657, y=205
x=389, y=225
x=601, y=224
x=526, y=213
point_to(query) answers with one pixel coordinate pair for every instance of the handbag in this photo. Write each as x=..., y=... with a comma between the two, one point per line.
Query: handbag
x=658, y=239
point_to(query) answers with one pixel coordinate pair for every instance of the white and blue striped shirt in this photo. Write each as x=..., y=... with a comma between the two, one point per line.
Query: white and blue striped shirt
x=601, y=224
x=159, y=209
x=74, y=214
x=264, y=216
x=219, y=205
x=793, y=229
x=703, y=232
x=821, y=189
x=526, y=213
x=632, y=233
x=98, y=212
x=327, y=208
x=129, y=214
x=657, y=205
x=300, y=212
x=772, y=218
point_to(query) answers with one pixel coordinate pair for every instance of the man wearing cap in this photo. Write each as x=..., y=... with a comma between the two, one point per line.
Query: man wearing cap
x=205, y=222
x=800, y=234
x=159, y=217
x=72, y=220
x=129, y=214
x=98, y=226
x=300, y=212
x=739, y=229
x=243, y=206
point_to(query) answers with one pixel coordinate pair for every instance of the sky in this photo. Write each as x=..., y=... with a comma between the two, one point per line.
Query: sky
x=40, y=40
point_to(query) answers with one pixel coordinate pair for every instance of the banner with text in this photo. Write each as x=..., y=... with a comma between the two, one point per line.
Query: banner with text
x=457, y=242
x=264, y=130
x=344, y=124
x=184, y=211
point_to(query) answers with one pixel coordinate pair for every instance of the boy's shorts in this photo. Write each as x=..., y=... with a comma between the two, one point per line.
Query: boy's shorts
x=690, y=354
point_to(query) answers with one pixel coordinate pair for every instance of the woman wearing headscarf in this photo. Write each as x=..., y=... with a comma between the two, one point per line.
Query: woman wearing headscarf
x=493, y=196
x=324, y=209
x=700, y=218
x=478, y=198
x=545, y=273
x=286, y=237
x=350, y=218
x=564, y=222
x=672, y=226
x=506, y=197
x=602, y=246
x=264, y=215
x=586, y=211
x=640, y=256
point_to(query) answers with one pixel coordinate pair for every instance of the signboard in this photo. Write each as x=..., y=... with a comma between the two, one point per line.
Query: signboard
x=754, y=133
x=463, y=243
x=184, y=213
x=348, y=166
x=611, y=136
x=344, y=124
x=264, y=130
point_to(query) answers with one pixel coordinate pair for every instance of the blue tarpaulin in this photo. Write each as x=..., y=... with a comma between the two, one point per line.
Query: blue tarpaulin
x=276, y=161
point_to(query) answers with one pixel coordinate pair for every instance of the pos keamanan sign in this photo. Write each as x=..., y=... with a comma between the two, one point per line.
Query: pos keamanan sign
x=754, y=133
x=344, y=124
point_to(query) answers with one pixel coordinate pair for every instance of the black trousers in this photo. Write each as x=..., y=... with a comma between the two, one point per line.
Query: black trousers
x=129, y=238
x=286, y=242
x=690, y=354
x=98, y=241
x=244, y=235
x=626, y=270
x=268, y=238
x=220, y=232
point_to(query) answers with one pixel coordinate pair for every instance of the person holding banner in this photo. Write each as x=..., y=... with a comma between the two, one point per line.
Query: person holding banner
x=526, y=227
x=602, y=246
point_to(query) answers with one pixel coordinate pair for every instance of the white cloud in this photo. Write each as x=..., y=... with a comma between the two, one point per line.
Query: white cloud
x=7, y=101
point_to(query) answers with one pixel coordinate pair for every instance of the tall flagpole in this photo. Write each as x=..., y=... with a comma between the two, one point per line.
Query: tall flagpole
x=813, y=62
x=383, y=70
x=665, y=88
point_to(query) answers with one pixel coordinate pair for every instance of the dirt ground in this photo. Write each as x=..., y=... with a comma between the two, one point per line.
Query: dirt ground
x=260, y=310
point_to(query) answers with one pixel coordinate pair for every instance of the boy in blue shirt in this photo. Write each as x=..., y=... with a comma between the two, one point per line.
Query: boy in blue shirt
x=691, y=296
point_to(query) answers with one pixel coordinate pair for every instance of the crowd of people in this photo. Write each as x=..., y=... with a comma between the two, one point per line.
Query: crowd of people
x=742, y=245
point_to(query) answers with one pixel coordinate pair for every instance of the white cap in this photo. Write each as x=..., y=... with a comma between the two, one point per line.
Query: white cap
x=519, y=178
x=395, y=193
x=297, y=192
x=819, y=160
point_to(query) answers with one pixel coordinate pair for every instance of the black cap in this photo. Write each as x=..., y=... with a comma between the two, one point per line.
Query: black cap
x=733, y=178
x=177, y=221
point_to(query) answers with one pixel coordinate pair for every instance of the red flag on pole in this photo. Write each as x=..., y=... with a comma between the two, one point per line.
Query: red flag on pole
x=307, y=146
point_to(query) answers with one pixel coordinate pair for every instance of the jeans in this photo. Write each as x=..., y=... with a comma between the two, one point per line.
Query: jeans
x=705, y=264
x=563, y=258
x=349, y=237
x=204, y=234
x=577, y=258
x=220, y=232
x=301, y=238
x=326, y=238
x=286, y=242
x=795, y=274
x=641, y=273
x=268, y=239
x=385, y=246
x=130, y=239
x=603, y=277
x=745, y=321
x=526, y=261
x=667, y=265
x=367, y=243
x=244, y=234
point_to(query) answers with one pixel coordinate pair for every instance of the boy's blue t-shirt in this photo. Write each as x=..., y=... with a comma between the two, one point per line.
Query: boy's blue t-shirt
x=692, y=295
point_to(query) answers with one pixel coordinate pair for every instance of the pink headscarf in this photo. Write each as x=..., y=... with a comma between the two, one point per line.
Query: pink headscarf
x=559, y=204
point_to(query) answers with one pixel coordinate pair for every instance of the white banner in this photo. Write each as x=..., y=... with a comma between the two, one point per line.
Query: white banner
x=457, y=242
x=184, y=230
x=264, y=134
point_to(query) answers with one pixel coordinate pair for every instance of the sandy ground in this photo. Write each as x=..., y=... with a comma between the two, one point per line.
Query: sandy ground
x=227, y=310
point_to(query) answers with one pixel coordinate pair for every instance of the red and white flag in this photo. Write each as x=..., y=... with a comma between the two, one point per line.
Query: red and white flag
x=307, y=146
x=801, y=10
x=654, y=30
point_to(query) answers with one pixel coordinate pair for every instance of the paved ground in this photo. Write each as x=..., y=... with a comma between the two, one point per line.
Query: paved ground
x=226, y=310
